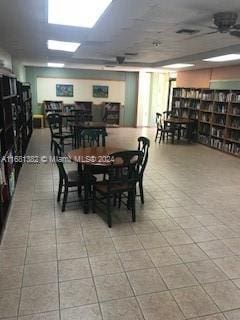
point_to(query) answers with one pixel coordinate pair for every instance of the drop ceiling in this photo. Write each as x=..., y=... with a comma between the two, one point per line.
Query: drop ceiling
x=127, y=26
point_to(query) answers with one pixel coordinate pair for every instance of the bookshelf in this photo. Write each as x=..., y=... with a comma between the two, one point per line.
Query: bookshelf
x=112, y=113
x=85, y=107
x=13, y=112
x=217, y=113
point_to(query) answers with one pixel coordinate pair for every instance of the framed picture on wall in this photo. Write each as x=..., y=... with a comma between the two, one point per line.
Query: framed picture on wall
x=100, y=91
x=64, y=90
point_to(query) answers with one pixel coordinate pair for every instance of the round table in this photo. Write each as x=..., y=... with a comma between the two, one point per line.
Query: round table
x=93, y=156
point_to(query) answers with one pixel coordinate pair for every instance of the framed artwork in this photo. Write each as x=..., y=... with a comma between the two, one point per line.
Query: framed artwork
x=64, y=90
x=100, y=91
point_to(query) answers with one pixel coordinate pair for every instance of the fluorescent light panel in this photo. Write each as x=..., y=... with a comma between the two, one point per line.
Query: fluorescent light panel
x=179, y=65
x=63, y=46
x=226, y=57
x=78, y=13
x=55, y=65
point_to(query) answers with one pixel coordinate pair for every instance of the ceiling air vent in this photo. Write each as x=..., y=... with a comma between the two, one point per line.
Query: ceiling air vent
x=187, y=31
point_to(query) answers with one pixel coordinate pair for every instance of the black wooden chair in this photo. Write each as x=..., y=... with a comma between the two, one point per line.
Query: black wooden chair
x=123, y=175
x=143, y=145
x=163, y=129
x=71, y=179
x=56, y=130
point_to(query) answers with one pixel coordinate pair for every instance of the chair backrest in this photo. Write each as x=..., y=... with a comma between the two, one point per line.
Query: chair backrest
x=124, y=169
x=90, y=137
x=159, y=120
x=167, y=114
x=59, y=160
x=55, y=122
x=143, y=145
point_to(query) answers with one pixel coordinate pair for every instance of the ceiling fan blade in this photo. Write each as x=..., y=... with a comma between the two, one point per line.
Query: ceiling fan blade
x=201, y=35
x=235, y=33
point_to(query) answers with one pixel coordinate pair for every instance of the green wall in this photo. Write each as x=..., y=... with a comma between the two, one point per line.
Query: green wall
x=130, y=78
x=225, y=84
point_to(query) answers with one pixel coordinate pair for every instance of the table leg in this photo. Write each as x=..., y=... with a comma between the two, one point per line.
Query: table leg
x=104, y=138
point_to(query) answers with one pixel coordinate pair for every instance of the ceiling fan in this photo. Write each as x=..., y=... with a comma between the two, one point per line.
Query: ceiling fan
x=225, y=22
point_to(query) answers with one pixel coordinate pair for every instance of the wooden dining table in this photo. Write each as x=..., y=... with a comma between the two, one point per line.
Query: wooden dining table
x=78, y=127
x=178, y=123
x=92, y=157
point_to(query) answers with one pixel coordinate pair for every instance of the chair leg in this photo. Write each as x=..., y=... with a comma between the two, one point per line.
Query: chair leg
x=59, y=189
x=133, y=196
x=141, y=190
x=109, y=217
x=51, y=147
x=94, y=200
x=86, y=204
x=156, y=136
x=65, y=196
x=160, y=138
x=79, y=191
x=115, y=200
x=119, y=200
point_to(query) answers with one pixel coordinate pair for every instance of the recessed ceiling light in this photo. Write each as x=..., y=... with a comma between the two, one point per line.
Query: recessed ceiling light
x=55, y=65
x=226, y=57
x=63, y=46
x=78, y=13
x=179, y=65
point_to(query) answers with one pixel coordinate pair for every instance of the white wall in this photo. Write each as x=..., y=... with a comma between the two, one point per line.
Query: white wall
x=6, y=59
x=19, y=70
x=143, y=98
x=83, y=90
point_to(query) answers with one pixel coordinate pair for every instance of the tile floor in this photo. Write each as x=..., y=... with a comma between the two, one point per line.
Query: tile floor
x=180, y=260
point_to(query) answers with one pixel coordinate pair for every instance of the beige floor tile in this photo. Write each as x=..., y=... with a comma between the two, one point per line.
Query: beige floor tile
x=206, y=271
x=225, y=294
x=74, y=269
x=71, y=250
x=215, y=249
x=232, y=315
x=222, y=232
x=146, y=281
x=110, y=287
x=159, y=306
x=9, y=301
x=101, y=246
x=39, y=299
x=163, y=256
x=134, y=260
x=11, y=277
x=230, y=266
x=53, y=315
x=200, y=234
x=124, y=309
x=12, y=257
x=66, y=235
x=208, y=220
x=41, y=254
x=107, y=264
x=218, y=316
x=90, y=312
x=144, y=227
x=194, y=302
x=177, y=212
x=40, y=273
x=166, y=224
x=152, y=240
x=177, y=237
x=190, y=253
x=42, y=238
x=127, y=243
x=233, y=245
x=177, y=276
x=123, y=229
x=188, y=222
x=77, y=293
